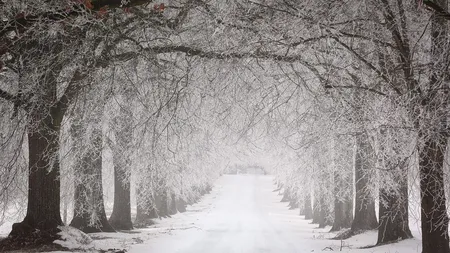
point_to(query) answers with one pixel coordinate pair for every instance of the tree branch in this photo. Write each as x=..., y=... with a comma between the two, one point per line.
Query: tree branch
x=356, y=87
x=369, y=64
x=438, y=9
x=7, y=96
x=24, y=21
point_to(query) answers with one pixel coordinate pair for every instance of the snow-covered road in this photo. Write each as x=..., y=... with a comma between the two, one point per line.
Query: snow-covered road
x=245, y=216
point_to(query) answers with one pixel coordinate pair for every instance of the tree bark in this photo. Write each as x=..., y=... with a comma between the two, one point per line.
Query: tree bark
x=43, y=212
x=434, y=219
x=393, y=195
x=343, y=202
x=433, y=141
x=145, y=210
x=393, y=213
x=172, y=205
x=181, y=205
x=121, y=214
x=89, y=211
x=365, y=218
x=40, y=225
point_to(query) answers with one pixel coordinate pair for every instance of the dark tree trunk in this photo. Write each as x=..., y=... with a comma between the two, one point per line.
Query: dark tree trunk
x=343, y=202
x=435, y=106
x=365, y=218
x=434, y=219
x=89, y=190
x=181, y=205
x=162, y=205
x=393, y=213
x=43, y=210
x=173, y=205
x=121, y=214
x=145, y=210
x=308, y=207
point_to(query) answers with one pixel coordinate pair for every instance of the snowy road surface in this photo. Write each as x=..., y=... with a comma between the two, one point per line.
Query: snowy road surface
x=246, y=216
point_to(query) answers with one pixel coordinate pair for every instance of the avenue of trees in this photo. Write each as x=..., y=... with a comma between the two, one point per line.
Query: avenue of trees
x=160, y=94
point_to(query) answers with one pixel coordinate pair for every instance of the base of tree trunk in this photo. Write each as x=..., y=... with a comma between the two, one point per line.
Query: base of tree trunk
x=344, y=235
x=286, y=196
x=181, y=205
x=81, y=223
x=25, y=237
x=120, y=224
x=143, y=223
x=293, y=204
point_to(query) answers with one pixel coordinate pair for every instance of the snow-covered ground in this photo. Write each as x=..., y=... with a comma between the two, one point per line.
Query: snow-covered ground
x=241, y=214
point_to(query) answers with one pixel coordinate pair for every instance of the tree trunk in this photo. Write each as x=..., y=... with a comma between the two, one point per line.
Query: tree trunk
x=181, y=205
x=121, y=214
x=286, y=195
x=308, y=207
x=365, y=218
x=172, y=205
x=316, y=207
x=393, y=212
x=145, y=210
x=433, y=142
x=89, y=212
x=343, y=202
x=293, y=203
x=434, y=219
x=43, y=211
x=323, y=213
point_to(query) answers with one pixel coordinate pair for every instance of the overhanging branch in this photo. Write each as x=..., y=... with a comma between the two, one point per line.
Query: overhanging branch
x=7, y=96
x=438, y=9
x=24, y=21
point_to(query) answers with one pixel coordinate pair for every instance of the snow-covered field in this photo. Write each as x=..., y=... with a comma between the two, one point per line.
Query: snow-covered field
x=241, y=214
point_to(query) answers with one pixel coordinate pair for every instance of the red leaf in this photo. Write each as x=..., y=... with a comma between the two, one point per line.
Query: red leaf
x=88, y=4
x=103, y=11
x=162, y=7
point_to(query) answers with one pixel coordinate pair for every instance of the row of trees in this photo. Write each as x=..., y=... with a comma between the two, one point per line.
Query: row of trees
x=163, y=85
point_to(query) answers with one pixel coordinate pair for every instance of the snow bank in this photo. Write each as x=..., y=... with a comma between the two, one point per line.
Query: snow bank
x=73, y=238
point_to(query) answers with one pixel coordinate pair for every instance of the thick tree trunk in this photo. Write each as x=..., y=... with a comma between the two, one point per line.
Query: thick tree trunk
x=89, y=190
x=434, y=219
x=433, y=141
x=181, y=205
x=121, y=215
x=343, y=202
x=393, y=213
x=308, y=207
x=145, y=210
x=365, y=218
x=43, y=211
